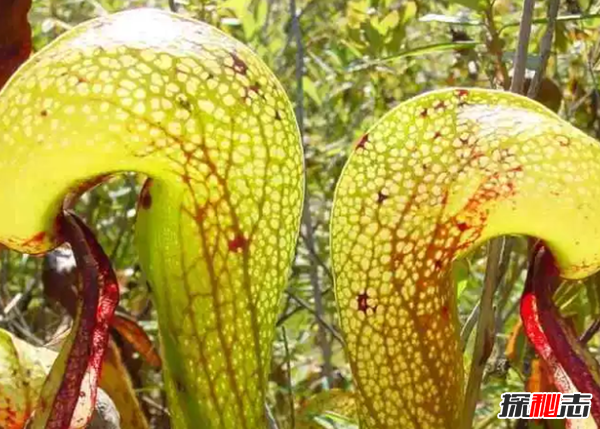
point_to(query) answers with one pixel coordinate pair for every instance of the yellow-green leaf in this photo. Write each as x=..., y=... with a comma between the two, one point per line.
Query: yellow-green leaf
x=438, y=175
x=205, y=119
x=23, y=369
x=311, y=90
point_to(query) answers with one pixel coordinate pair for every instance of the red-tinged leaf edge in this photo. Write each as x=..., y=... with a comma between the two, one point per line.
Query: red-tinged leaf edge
x=133, y=333
x=570, y=363
x=98, y=299
x=59, y=287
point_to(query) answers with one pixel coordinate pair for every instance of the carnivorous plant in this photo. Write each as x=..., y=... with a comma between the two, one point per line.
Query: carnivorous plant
x=198, y=113
x=437, y=176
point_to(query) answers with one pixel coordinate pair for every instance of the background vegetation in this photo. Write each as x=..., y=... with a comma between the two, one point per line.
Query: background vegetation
x=344, y=64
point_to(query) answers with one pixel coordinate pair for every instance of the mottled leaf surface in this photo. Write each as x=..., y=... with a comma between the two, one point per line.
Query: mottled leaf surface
x=23, y=369
x=438, y=175
x=204, y=118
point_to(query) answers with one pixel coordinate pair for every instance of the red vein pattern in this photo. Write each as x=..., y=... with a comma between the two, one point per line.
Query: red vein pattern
x=204, y=118
x=437, y=176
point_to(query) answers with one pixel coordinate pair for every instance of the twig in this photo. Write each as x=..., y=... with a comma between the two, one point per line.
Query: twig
x=322, y=322
x=520, y=64
x=306, y=216
x=12, y=305
x=288, y=41
x=511, y=310
x=26, y=333
x=264, y=34
x=287, y=314
x=318, y=260
x=271, y=422
x=505, y=292
x=4, y=267
x=124, y=224
x=545, y=48
x=590, y=332
x=577, y=104
x=590, y=69
x=158, y=407
x=469, y=324
x=289, y=378
x=484, y=340
x=296, y=32
x=494, y=45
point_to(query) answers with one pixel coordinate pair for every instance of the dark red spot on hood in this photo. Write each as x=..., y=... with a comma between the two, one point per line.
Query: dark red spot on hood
x=440, y=105
x=239, y=242
x=239, y=66
x=363, y=302
x=381, y=197
x=362, y=142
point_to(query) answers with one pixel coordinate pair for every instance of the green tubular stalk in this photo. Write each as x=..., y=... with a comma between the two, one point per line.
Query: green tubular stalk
x=204, y=118
x=437, y=176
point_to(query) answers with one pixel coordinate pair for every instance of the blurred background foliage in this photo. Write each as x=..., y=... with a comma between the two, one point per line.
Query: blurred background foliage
x=344, y=64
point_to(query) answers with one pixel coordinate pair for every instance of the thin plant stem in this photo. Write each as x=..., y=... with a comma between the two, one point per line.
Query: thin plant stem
x=520, y=64
x=495, y=45
x=319, y=318
x=545, y=48
x=309, y=233
x=289, y=378
x=484, y=340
